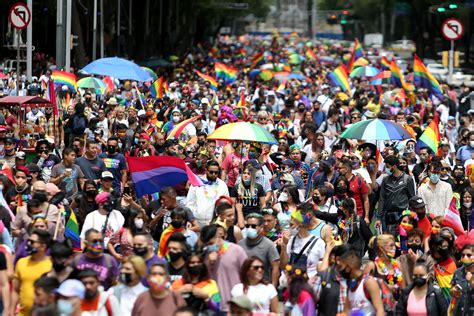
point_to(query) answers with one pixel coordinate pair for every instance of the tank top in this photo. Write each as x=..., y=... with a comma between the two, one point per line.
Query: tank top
x=317, y=230
x=359, y=301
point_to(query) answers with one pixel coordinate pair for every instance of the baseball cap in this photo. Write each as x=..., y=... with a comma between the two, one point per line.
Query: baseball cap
x=329, y=161
x=242, y=301
x=72, y=288
x=254, y=163
x=107, y=174
x=10, y=140
x=141, y=136
x=20, y=155
x=416, y=202
x=102, y=197
x=288, y=162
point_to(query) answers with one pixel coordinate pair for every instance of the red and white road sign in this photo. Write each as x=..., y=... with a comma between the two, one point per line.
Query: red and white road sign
x=452, y=29
x=19, y=16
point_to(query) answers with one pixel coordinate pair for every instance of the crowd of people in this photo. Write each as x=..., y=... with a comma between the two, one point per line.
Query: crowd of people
x=313, y=225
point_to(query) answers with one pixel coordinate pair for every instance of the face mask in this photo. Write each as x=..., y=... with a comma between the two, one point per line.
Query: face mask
x=434, y=230
x=175, y=256
x=251, y=233
x=253, y=155
x=293, y=231
x=182, y=105
x=316, y=199
x=138, y=223
x=30, y=249
x=65, y=307
x=418, y=282
x=247, y=182
x=59, y=266
x=415, y=247
x=444, y=253
x=135, y=140
x=126, y=278
x=212, y=248
x=467, y=205
x=96, y=248
x=346, y=275
x=341, y=190
x=140, y=251
x=471, y=144
x=196, y=270
x=108, y=207
x=176, y=119
x=407, y=226
x=283, y=197
x=91, y=193
x=467, y=261
x=355, y=165
x=157, y=284
x=40, y=196
x=35, y=216
x=370, y=167
x=111, y=149
x=390, y=253
x=326, y=169
x=388, y=171
x=177, y=224
x=434, y=178
x=200, y=143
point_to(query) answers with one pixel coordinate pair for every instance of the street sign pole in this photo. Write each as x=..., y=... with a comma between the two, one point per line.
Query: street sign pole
x=452, y=30
x=451, y=63
x=18, y=62
x=29, y=44
x=67, y=65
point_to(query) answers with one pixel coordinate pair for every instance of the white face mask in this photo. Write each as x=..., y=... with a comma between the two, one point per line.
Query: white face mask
x=471, y=144
x=138, y=223
x=467, y=205
x=176, y=119
x=283, y=197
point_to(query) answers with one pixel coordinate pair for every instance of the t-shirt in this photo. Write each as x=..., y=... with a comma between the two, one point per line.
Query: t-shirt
x=260, y=295
x=146, y=305
x=315, y=254
x=92, y=169
x=357, y=188
x=97, y=221
x=46, y=165
x=265, y=250
x=68, y=184
x=116, y=164
x=27, y=272
x=12, y=195
x=106, y=268
x=175, y=274
x=165, y=221
x=231, y=165
x=250, y=200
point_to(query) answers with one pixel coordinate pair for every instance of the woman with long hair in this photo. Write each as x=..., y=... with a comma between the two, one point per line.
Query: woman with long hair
x=442, y=251
x=248, y=195
x=196, y=286
x=299, y=297
x=287, y=202
x=467, y=215
x=120, y=244
x=224, y=216
x=85, y=203
x=261, y=293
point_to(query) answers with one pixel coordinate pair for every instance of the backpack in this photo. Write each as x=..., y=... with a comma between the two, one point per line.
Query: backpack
x=78, y=125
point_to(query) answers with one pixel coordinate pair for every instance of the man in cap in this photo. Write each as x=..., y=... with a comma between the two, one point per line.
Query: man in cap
x=240, y=305
x=324, y=99
x=69, y=296
x=418, y=206
x=144, y=148
x=286, y=174
x=20, y=158
x=328, y=175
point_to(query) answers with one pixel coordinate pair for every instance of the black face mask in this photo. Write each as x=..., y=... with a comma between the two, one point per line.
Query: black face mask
x=140, y=251
x=175, y=256
x=200, y=143
x=111, y=149
x=40, y=196
x=125, y=278
x=341, y=190
x=108, y=207
x=196, y=270
x=59, y=266
x=30, y=249
x=326, y=169
x=316, y=199
x=91, y=193
x=421, y=215
x=177, y=224
x=418, y=282
x=444, y=253
x=415, y=247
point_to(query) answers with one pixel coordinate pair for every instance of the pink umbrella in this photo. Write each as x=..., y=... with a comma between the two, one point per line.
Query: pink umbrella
x=3, y=76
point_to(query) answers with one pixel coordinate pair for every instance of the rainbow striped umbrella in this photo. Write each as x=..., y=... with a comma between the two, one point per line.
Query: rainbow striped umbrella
x=151, y=72
x=376, y=129
x=178, y=128
x=243, y=131
x=364, y=71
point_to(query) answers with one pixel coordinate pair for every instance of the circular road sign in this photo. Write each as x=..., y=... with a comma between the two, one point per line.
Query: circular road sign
x=19, y=16
x=452, y=29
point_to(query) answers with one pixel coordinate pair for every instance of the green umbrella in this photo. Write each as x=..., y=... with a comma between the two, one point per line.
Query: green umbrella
x=156, y=62
x=92, y=83
x=151, y=72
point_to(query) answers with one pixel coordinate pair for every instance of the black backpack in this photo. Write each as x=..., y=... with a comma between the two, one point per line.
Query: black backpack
x=78, y=125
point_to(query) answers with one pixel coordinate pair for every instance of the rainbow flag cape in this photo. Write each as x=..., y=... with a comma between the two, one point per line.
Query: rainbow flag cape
x=397, y=77
x=452, y=218
x=385, y=63
x=257, y=59
x=156, y=88
x=72, y=231
x=430, y=137
x=208, y=78
x=340, y=78
x=310, y=54
x=151, y=174
x=225, y=72
x=444, y=272
x=422, y=77
x=178, y=128
x=62, y=78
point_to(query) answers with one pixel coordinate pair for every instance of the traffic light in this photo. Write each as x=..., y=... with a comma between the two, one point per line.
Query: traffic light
x=453, y=6
x=344, y=17
x=74, y=40
x=441, y=10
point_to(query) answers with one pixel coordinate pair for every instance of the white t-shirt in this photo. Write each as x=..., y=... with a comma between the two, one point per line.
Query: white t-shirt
x=97, y=221
x=260, y=295
x=314, y=256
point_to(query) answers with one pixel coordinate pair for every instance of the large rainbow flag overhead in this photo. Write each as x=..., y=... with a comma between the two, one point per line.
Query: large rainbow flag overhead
x=430, y=137
x=422, y=77
x=208, y=78
x=64, y=78
x=156, y=88
x=340, y=78
x=357, y=52
x=151, y=174
x=225, y=72
x=397, y=78
x=257, y=59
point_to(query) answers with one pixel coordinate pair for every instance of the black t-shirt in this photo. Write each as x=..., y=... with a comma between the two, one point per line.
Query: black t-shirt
x=250, y=200
x=12, y=195
x=166, y=220
x=175, y=274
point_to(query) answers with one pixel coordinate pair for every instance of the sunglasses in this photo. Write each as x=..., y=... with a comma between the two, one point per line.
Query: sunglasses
x=251, y=226
x=256, y=268
x=141, y=143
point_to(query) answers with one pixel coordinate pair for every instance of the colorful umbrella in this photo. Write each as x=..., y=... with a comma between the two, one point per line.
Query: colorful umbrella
x=151, y=72
x=266, y=75
x=91, y=83
x=382, y=77
x=365, y=71
x=178, y=128
x=376, y=129
x=243, y=131
x=116, y=67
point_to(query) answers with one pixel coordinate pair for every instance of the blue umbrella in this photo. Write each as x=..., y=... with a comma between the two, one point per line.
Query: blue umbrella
x=297, y=76
x=376, y=129
x=118, y=68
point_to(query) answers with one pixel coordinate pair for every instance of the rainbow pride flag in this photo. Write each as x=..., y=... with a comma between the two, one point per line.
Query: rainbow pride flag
x=72, y=231
x=208, y=78
x=385, y=63
x=225, y=72
x=340, y=78
x=257, y=59
x=151, y=174
x=64, y=78
x=397, y=77
x=357, y=52
x=452, y=218
x=422, y=77
x=242, y=99
x=430, y=137
x=310, y=54
x=444, y=272
x=156, y=88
